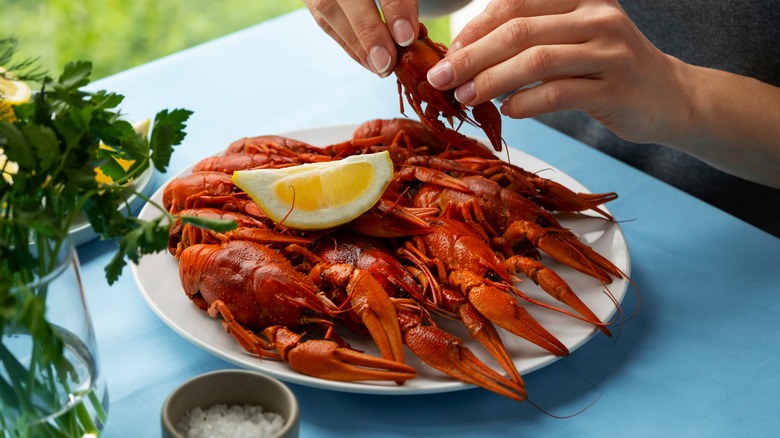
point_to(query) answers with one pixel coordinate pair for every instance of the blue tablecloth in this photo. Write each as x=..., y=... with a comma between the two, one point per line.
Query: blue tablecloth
x=700, y=358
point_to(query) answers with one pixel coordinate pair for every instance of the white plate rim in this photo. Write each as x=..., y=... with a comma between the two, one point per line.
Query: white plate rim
x=168, y=301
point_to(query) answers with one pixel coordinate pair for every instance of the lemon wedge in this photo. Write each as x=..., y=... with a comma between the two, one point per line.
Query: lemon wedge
x=319, y=195
x=12, y=92
x=142, y=128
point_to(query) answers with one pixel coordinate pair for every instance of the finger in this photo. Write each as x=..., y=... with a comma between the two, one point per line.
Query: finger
x=538, y=63
x=507, y=41
x=372, y=34
x=402, y=20
x=497, y=13
x=570, y=94
x=331, y=18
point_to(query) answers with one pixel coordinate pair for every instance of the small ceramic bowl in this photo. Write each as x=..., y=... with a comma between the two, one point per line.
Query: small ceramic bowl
x=231, y=387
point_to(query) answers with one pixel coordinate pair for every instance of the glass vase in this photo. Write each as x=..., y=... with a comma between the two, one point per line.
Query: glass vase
x=50, y=380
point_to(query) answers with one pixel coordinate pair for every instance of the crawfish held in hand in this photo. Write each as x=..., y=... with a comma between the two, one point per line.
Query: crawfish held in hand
x=411, y=69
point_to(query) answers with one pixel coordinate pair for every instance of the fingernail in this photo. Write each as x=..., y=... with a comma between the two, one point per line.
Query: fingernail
x=456, y=45
x=466, y=92
x=403, y=32
x=380, y=59
x=504, y=108
x=441, y=74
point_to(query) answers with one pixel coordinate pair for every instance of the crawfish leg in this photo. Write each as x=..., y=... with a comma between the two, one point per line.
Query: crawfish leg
x=248, y=340
x=555, y=286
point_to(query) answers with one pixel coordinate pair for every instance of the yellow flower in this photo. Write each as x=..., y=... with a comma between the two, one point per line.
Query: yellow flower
x=8, y=168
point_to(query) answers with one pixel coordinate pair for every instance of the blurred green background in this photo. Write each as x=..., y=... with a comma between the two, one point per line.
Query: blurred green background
x=119, y=34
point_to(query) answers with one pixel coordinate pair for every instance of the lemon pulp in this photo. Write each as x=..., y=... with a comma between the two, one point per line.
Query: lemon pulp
x=319, y=195
x=327, y=189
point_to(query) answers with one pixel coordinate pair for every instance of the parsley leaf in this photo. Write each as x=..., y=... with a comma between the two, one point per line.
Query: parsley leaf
x=168, y=131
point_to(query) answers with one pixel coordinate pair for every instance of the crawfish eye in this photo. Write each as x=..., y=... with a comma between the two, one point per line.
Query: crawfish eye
x=492, y=276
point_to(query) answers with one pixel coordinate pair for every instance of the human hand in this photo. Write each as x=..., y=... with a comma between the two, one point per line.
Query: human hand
x=357, y=27
x=583, y=55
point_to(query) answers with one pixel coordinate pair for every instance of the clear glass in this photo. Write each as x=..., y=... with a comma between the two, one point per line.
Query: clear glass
x=50, y=380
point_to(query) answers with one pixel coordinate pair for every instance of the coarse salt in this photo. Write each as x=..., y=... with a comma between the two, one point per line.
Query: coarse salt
x=229, y=421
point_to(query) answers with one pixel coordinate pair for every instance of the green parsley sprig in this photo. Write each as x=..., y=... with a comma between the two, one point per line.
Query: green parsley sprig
x=54, y=144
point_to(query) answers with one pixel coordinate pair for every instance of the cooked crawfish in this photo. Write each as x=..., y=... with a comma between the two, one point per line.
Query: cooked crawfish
x=411, y=69
x=517, y=220
x=448, y=240
x=276, y=144
x=462, y=260
x=249, y=284
x=548, y=194
x=428, y=342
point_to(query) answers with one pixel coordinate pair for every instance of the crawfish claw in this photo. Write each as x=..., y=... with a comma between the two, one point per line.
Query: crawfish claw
x=482, y=330
x=502, y=309
x=326, y=360
x=449, y=355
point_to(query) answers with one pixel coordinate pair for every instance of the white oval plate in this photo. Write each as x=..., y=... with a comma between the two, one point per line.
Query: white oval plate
x=157, y=277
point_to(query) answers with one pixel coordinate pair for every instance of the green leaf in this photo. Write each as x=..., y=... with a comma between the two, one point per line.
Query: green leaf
x=103, y=100
x=70, y=131
x=168, y=131
x=146, y=238
x=16, y=146
x=136, y=147
x=46, y=145
x=7, y=394
x=76, y=75
x=113, y=133
x=109, y=166
x=7, y=300
x=81, y=117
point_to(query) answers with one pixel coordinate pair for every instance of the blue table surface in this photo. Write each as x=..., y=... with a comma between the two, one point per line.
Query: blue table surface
x=700, y=358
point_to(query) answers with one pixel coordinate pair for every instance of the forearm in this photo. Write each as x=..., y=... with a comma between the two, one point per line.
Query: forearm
x=731, y=122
